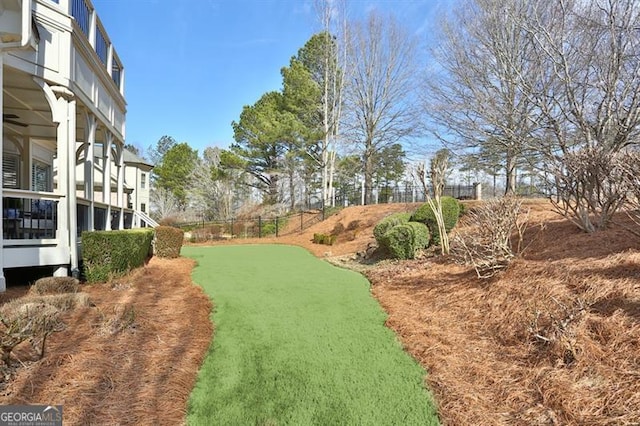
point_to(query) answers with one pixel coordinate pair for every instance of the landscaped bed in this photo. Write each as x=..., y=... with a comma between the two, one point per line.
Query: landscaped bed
x=482, y=343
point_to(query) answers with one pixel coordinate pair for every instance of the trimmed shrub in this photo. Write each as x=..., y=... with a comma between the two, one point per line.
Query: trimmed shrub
x=325, y=239
x=168, y=241
x=450, y=213
x=55, y=285
x=404, y=240
x=113, y=253
x=387, y=223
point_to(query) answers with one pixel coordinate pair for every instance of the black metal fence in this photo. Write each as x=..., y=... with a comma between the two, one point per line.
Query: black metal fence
x=356, y=196
x=254, y=227
x=315, y=211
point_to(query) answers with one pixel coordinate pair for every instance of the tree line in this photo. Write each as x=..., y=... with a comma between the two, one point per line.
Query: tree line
x=508, y=87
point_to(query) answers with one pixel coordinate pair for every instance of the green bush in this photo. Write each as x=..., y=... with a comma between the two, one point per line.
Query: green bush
x=168, y=241
x=269, y=228
x=463, y=208
x=404, y=240
x=450, y=213
x=325, y=239
x=387, y=223
x=113, y=253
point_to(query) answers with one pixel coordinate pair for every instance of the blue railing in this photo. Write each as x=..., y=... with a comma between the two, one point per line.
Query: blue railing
x=102, y=47
x=116, y=71
x=81, y=10
x=82, y=14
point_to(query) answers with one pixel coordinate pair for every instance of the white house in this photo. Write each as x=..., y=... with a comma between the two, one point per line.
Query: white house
x=64, y=168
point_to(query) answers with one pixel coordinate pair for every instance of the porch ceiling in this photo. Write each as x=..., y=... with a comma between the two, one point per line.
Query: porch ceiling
x=25, y=99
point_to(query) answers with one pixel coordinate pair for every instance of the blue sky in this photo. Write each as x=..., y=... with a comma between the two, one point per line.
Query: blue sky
x=191, y=65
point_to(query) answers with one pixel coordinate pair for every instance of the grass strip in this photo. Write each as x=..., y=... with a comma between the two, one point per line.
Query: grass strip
x=299, y=341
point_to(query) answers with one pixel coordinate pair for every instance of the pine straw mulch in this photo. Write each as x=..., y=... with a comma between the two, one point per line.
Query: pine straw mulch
x=130, y=358
x=553, y=340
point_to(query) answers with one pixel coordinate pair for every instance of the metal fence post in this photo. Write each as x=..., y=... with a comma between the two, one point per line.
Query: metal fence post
x=277, y=226
x=301, y=220
x=259, y=226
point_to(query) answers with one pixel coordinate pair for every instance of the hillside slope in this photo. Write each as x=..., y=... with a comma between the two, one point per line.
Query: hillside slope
x=553, y=340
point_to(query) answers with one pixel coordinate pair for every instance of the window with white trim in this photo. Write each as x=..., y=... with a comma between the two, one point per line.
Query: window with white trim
x=41, y=177
x=10, y=171
x=143, y=180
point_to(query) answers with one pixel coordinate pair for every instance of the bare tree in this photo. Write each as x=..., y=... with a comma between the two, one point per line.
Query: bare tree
x=474, y=97
x=591, y=185
x=164, y=204
x=334, y=73
x=589, y=104
x=379, y=109
x=590, y=73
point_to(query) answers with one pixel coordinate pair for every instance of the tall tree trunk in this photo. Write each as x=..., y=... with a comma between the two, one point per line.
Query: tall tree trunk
x=510, y=174
x=332, y=168
x=368, y=174
x=272, y=197
x=292, y=188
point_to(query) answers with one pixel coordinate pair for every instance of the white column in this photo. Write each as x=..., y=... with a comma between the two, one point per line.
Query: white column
x=3, y=283
x=60, y=115
x=93, y=27
x=72, y=199
x=90, y=167
x=121, y=185
x=106, y=178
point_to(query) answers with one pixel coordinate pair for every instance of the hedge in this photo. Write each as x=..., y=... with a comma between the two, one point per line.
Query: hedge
x=106, y=254
x=404, y=240
x=450, y=213
x=168, y=241
x=387, y=223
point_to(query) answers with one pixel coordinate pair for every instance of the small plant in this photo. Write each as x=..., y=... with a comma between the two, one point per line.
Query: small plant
x=450, y=215
x=268, y=229
x=387, y=223
x=325, y=239
x=487, y=242
x=403, y=241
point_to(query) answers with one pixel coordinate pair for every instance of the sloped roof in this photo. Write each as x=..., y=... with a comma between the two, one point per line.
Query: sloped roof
x=129, y=157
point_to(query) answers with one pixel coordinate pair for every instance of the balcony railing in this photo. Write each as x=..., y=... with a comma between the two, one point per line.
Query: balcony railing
x=29, y=215
x=102, y=46
x=82, y=11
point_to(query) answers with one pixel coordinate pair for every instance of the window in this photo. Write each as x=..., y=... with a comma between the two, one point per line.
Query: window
x=41, y=177
x=143, y=207
x=143, y=180
x=11, y=171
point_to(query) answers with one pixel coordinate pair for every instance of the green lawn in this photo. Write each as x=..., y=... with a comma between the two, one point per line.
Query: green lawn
x=299, y=342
